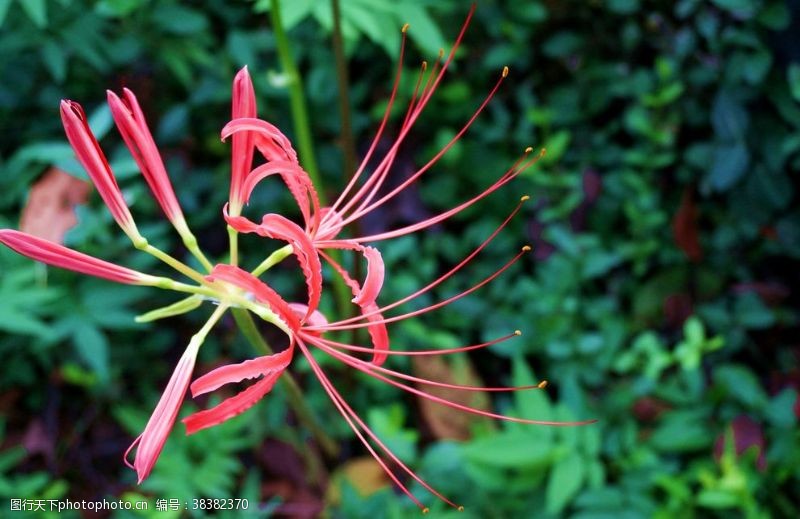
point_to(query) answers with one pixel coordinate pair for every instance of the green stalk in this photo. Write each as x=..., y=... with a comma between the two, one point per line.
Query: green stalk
x=272, y=260
x=293, y=392
x=348, y=143
x=302, y=127
x=297, y=100
x=181, y=267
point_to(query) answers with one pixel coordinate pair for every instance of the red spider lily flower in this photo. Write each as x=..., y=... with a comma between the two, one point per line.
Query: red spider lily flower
x=322, y=225
x=229, y=286
x=304, y=332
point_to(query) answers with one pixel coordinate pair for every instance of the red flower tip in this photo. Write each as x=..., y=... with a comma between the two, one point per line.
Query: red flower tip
x=130, y=121
x=59, y=256
x=91, y=157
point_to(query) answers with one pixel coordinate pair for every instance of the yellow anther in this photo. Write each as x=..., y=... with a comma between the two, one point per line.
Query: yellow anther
x=460, y=508
x=505, y=71
x=517, y=332
x=426, y=510
x=543, y=152
x=528, y=149
x=424, y=65
x=526, y=248
x=524, y=198
x=441, y=53
x=542, y=384
x=405, y=28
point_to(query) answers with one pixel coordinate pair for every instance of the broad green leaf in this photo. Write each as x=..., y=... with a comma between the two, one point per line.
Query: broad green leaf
x=92, y=347
x=566, y=479
x=509, y=450
x=36, y=11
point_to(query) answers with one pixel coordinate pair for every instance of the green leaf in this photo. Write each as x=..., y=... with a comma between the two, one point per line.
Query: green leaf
x=681, y=431
x=4, y=5
x=36, y=11
x=509, y=450
x=793, y=77
x=55, y=60
x=729, y=165
x=739, y=8
x=92, y=347
x=566, y=479
x=742, y=384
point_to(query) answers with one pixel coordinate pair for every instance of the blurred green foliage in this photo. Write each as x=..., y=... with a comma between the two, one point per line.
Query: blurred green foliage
x=662, y=298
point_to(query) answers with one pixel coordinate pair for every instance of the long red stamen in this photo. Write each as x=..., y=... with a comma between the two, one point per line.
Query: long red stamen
x=338, y=326
x=510, y=174
x=365, y=206
x=448, y=274
x=343, y=403
x=422, y=103
x=376, y=139
x=445, y=351
x=386, y=163
x=369, y=370
x=429, y=382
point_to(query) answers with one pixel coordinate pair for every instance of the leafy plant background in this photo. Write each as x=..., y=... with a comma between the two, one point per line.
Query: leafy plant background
x=661, y=298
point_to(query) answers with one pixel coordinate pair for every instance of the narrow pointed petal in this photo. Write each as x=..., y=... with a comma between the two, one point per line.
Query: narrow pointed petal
x=160, y=424
x=243, y=146
x=269, y=140
x=59, y=256
x=91, y=157
x=232, y=373
x=232, y=406
x=131, y=123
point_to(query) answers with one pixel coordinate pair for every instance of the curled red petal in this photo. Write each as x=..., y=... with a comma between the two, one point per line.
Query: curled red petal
x=277, y=227
x=377, y=329
x=232, y=373
x=269, y=140
x=373, y=282
x=232, y=406
x=296, y=179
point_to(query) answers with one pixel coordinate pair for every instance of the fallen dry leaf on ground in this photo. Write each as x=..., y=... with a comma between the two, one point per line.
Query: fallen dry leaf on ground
x=50, y=211
x=446, y=422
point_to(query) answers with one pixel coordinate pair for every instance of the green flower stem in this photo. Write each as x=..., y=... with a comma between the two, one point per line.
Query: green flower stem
x=304, y=141
x=181, y=267
x=348, y=143
x=180, y=307
x=233, y=239
x=296, y=100
x=201, y=334
x=272, y=260
x=293, y=392
x=171, y=284
x=190, y=242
